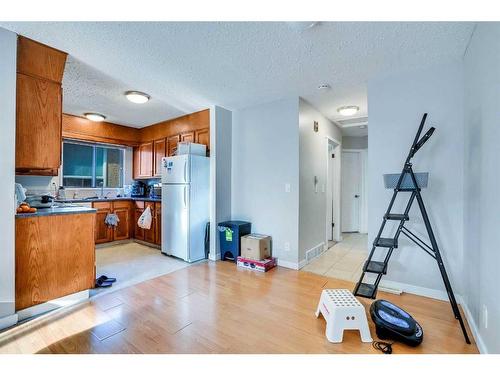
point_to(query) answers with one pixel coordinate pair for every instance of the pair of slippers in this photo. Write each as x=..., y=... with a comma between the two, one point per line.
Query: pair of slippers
x=104, y=281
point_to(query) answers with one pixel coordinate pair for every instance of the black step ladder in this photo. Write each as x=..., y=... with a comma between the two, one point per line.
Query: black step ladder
x=407, y=182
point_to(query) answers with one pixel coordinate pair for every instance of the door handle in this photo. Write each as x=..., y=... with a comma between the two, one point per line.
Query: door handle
x=185, y=171
x=356, y=196
x=185, y=203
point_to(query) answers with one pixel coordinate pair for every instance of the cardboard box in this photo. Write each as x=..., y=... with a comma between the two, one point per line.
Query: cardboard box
x=255, y=246
x=257, y=265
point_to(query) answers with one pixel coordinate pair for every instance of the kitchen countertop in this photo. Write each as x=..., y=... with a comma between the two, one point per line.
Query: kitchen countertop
x=68, y=210
x=82, y=200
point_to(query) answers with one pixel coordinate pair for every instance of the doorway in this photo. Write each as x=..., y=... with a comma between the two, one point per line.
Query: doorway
x=351, y=191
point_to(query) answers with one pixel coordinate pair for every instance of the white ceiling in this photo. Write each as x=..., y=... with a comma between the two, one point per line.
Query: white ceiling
x=188, y=66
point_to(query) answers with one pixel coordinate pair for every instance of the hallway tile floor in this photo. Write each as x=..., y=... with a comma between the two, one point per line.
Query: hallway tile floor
x=344, y=260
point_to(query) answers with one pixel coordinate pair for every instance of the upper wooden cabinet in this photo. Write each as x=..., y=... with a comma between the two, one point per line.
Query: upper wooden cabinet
x=202, y=136
x=187, y=137
x=160, y=152
x=39, y=60
x=172, y=144
x=38, y=108
x=38, y=124
x=143, y=160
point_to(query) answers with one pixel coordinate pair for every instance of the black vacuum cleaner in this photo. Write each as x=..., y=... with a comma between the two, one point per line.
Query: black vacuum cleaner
x=393, y=323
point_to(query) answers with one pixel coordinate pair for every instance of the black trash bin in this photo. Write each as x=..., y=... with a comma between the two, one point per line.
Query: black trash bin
x=230, y=233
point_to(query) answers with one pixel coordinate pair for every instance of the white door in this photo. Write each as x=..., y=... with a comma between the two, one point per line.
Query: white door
x=351, y=191
x=175, y=220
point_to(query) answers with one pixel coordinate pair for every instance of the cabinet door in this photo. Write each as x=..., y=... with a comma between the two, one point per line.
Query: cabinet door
x=102, y=232
x=138, y=232
x=203, y=136
x=121, y=232
x=143, y=161
x=38, y=124
x=187, y=137
x=149, y=234
x=158, y=223
x=172, y=144
x=160, y=152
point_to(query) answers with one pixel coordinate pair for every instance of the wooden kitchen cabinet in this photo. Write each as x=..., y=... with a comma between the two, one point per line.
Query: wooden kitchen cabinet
x=160, y=152
x=38, y=108
x=139, y=209
x=122, y=231
x=172, y=144
x=157, y=223
x=143, y=160
x=202, y=136
x=149, y=234
x=38, y=125
x=103, y=233
x=122, y=209
x=187, y=137
x=55, y=257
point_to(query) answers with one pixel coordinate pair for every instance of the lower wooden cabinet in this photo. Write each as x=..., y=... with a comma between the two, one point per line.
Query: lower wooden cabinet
x=103, y=233
x=55, y=257
x=157, y=221
x=128, y=213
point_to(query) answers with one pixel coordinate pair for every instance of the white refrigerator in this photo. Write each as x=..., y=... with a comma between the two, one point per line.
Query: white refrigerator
x=185, y=205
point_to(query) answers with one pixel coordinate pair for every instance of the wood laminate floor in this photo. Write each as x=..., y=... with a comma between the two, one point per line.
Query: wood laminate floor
x=218, y=308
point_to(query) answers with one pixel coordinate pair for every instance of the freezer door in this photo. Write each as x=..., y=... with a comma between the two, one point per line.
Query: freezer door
x=175, y=170
x=175, y=220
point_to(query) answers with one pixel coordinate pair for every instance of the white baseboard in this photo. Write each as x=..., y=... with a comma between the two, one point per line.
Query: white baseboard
x=214, y=258
x=8, y=321
x=287, y=264
x=65, y=301
x=302, y=263
x=473, y=327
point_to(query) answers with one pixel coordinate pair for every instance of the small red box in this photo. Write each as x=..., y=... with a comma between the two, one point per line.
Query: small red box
x=257, y=265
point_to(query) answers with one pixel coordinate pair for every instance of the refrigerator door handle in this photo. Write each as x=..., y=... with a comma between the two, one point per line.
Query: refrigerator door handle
x=185, y=203
x=185, y=171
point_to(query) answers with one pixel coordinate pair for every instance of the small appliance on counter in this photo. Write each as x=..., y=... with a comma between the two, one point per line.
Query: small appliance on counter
x=138, y=189
x=155, y=191
x=40, y=201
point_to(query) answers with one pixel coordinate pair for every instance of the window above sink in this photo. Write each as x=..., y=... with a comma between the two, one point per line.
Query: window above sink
x=92, y=165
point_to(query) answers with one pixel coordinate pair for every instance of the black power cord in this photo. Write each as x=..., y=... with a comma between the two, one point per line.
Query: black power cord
x=384, y=347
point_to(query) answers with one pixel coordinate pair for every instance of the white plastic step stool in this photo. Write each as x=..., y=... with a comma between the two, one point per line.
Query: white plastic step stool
x=342, y=311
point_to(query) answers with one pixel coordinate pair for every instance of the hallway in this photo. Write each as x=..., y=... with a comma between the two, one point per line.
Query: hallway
x=344, y=260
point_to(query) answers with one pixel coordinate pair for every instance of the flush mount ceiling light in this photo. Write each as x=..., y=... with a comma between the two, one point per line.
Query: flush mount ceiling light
x=348, y=110
x=137, y=97
x=96, y=117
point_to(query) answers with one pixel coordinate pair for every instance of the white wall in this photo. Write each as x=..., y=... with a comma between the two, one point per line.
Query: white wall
x=396, y=103
x=313, y=162
x=220, y=173
x=355, y=143
x=482, y=171
x=265, y=157
x=8, y=42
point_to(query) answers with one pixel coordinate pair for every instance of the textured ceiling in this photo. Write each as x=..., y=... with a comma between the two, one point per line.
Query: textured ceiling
x=85, y=89
x=191, y=65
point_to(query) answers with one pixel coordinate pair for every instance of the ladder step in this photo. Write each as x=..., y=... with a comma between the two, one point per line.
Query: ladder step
x=398, y=217
x=386, y=242
x=375, y=267
x=366, y=290
x=407, y=189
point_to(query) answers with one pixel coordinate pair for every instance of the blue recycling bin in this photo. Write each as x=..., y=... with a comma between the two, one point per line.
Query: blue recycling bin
x=230, y=233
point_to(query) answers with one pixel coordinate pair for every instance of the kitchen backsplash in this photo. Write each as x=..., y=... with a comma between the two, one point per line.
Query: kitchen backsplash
x=36, y=185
